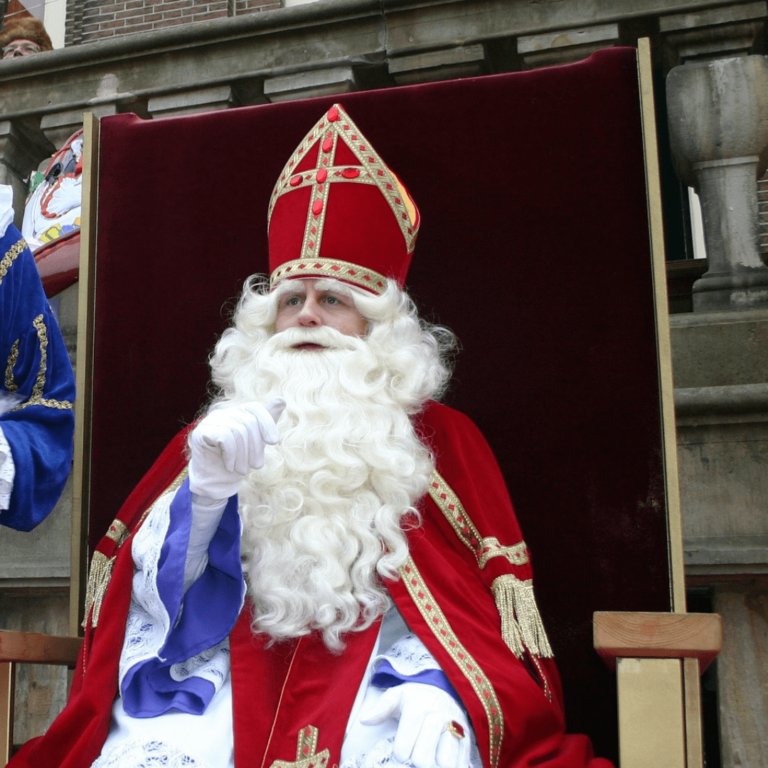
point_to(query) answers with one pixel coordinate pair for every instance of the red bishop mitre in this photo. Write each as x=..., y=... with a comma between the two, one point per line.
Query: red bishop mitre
x=338, y=211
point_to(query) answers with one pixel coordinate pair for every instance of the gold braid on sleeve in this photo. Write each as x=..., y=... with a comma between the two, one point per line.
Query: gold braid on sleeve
x=521, y=624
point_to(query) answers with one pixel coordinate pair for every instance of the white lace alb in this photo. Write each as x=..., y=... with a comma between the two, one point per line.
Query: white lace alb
x=7, y=472
x=152, y=754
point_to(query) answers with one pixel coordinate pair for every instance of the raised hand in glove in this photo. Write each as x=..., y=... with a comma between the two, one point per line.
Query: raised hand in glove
x=433, y=730
x=228, y=443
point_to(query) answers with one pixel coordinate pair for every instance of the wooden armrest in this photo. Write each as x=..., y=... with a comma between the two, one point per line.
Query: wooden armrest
x=623, y=634
x=37, y=648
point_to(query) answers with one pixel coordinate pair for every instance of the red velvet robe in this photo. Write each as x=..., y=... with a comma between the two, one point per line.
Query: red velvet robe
x=291, y=702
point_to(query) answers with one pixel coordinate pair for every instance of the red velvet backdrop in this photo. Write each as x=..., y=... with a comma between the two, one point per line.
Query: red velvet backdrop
x=533, y=248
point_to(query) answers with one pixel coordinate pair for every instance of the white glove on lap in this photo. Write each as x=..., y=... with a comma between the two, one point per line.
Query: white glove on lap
x=433, y=730
x=228, y=443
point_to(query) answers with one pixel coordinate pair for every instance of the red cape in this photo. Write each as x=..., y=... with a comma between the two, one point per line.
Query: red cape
x=291, y=701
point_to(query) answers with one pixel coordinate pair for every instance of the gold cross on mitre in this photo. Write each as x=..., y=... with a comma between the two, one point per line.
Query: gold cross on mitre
x=307, y=755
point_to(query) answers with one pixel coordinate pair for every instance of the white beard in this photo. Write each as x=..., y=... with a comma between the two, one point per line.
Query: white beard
x=323, y=519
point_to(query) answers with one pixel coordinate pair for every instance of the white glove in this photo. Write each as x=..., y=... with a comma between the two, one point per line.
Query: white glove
x=433, y=730
x=228, y=443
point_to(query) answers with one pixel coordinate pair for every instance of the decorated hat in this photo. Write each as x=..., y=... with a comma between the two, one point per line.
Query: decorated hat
x=25, y=28
x=338, y=211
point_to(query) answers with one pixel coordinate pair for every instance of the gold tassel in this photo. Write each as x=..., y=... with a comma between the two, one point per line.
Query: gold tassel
x=98, y=580
x=521, y=625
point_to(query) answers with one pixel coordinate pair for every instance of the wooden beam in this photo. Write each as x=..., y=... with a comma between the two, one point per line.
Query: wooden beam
x=7, y=685
x=36, y=648
x=620, y=634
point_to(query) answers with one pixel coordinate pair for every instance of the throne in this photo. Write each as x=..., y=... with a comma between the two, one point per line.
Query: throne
x=541, y=246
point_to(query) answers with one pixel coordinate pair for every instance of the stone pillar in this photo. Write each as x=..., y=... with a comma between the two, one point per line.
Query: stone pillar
x=728, y=29
x=59, y=126
x=563, y=46
x=190, y=101
x=743, y=693
x=718, y=121
x=22, y=146
x=309, y=84
x=443, y=64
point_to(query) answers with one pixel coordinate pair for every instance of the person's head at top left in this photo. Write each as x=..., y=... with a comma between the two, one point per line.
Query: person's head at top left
x=16, y=49
x=23, y=36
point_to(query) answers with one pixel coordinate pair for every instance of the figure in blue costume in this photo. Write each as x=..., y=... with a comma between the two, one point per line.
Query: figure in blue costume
x=38, y=387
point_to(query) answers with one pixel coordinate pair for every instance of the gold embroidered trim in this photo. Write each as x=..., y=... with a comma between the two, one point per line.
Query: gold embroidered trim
x=36, y=396
x=335, y=173
x=484, y=549
x=282, y=184
x=340, y=270
x=443, y=631
x=42, y=337
x=307, y=755
x=13, y=358
x=118, y=532
x=46, y=402
x=380, y=173
x=314, y=221
x=517, y=554
x=521, y=624
x=10, y=256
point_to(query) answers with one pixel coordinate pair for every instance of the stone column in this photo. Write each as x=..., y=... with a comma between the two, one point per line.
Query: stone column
x=190, y=101
x=743, y=692
x=22, y=146
x=310, y=84
x=59, y=126
x=562, y=46
x=718, y=121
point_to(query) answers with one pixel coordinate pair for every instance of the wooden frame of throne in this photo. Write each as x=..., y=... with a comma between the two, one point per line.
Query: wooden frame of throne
x=541, y=246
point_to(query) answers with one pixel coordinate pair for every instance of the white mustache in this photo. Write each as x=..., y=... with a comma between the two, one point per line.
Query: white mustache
x=324, y=336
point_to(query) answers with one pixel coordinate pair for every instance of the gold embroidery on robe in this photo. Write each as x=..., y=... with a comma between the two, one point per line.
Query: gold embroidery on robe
x=10, y=256
x=442, y=630
x=521, y=625
x=484, y=549
x=36, y=396
x=13, y=357
x=307, y=755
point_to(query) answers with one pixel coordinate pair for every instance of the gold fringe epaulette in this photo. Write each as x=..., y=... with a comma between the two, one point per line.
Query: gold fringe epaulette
x=100, y=573
x=104, y=557
x=521, y=624
x=98, y=578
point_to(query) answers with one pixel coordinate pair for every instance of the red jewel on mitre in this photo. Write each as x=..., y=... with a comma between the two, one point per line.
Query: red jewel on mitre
x=338, y=211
